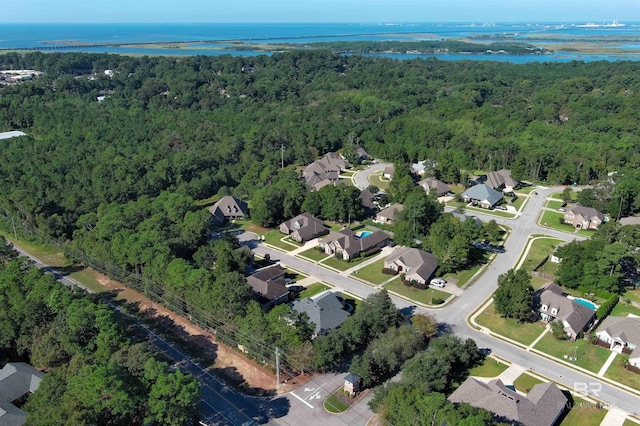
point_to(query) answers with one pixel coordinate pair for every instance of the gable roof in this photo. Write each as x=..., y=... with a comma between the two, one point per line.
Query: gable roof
x=392, y=211
x=389, y=170
x=353, y=245
x=483, y=192
x=430, y=183
x=11, y=134
x=575, y=314
x=417, y=261
x=227, y=207
x=10, y=415
x=541, y=407
x=268, y=284
x=500, y=178
x=326, y=311
x=324, y=171
x=462, y=217
x=366, y=197
x=306, y=225
x=588, y=213
x=626, y=329
x=630, y=220
x=17, y=379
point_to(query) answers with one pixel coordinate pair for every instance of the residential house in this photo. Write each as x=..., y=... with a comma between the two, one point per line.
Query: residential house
x=352, y=384
x=458, y=214
x=229, y=208
x=430, y=183
x=555, y=306
x=542, y=406
x=583, y=217
x=17, y=379
x=418, y=265
x=347, y=245
x=630, y=220
x=368, y=200
x=419, y=167
x=361, y=154
x=326, y=311
x=303, y=228
x=11, y=134
x=388, y=172
x=481, y=195
x=390, y=214
x=324, y=171
x=501, y=180
x=622, y=333
x=269, y=286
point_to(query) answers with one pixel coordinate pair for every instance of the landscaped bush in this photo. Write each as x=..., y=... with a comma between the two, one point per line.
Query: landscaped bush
x=421, y=286
x=605, y=309
x=389, y=271
x=437, y=301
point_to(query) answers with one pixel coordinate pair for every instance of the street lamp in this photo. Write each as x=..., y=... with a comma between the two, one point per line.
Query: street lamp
x=575, y=354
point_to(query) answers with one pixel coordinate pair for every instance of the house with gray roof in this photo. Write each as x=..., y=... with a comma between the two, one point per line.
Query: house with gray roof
x=16, y=380
x=11, y=134
x=269, y=286
x=367, y=199
x=481, y=195
x=583, y=217
x=388, y=172
x=502, y=180
x=542, y=406
x=326, y=311
x=622, y=333
x=229, y=208
x=324, y=171
x=303, y=228
x=438, y=186
x=390, y=214
x=347, y=245
x=555, y=306
x=417, y=265
x=462, y=217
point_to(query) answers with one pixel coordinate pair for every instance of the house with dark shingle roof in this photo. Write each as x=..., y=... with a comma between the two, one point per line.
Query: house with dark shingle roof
x=303, y=228
x=583, y=217
x=390, y=214
x=16, y=380
x=417, y=265
x=324, y=171
x=367, y=199
x=622, y=333
x=542, y=406
x=555, y=306
x=229, y=208
x=326, y=311
x=462, y=217
x=348, y=246
x=389, y=172
x=269, y=286
x=481, y=195
x=438, y=186
x=501, y=180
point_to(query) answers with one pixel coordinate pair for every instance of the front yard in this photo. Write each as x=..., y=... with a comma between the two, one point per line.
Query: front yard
x=313, y=289
x=590, y=357
x=314, y=254
x=343, y=265
x=465, y=275
x=618, y=373
x=554, y=220
x=584, y=413
x=373, y=273
x=427, y=296
x=524, y=333
x=540, y=248
x=554, y=204
x=275, y=238
x=489, y=368
x=525, y=382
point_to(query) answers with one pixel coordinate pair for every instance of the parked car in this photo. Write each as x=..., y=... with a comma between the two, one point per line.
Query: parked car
x=438, y=282
x=561, y=209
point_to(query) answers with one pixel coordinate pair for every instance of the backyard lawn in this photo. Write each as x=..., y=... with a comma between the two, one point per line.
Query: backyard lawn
x=423, y=296
x=275, y=239
x=379, y=181
x=618, y=373
x=590, y=357
x=623, y=309
x=314, y=254
x=633, y=295
x=525, y=382
x=343, y=265
x=373, y=273
x=313, y=289
x=489, y=368
x=554, y=220
x=524, y=333
x=584, y=413
x=537, y=282
x=540, y=248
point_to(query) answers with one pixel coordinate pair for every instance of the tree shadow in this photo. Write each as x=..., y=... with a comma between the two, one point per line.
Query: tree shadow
x=233, y=378
x=68, y=270
x=444, y=328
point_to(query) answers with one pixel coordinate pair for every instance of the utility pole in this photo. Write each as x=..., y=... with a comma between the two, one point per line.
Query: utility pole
x=282, y=156
x=277, y=368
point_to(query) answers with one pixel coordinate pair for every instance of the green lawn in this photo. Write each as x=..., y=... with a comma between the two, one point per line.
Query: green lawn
x=554, y=204
x=623, y=309
x=489, y=368
x=537, y=282
x=558, y=195
x=633, y=295
x=524, y=333
x=373, y=273
x=617, y=372
x=347, y=173
x=553, y=220
x=584, y=413
x=52, y=256
x=586, y=233
x=465, y=275
x=526, y=190
x=88, y=279
x=313, y=289
x=379, y=181
x=421, y=296
x=540, y=248
x=314, y=254
x=275, y=239
x=525, y=382
x=342, y=265
x=334, y=405
x=517, y=203
x=293, y=275
x=590, y=357
x=629, y=423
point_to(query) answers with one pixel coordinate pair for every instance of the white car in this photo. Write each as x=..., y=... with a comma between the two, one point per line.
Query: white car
x=438, y=282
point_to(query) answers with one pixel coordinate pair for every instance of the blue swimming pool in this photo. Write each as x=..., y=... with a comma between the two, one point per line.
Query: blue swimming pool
x=586, y=303
x=365, y=233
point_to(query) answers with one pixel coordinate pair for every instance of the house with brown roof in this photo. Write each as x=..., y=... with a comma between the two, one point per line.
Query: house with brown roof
x=438, y=186
x=324, y=171
x=502, y=180
x=583, y=217
x=630, y=220
x=622, y=333
x=17, y=379
x=553, y=305
x=388, y=172
x=269, y=286
x=390, y=214
x=303, y=228
x=542, y=406
x=347, y=245
x=367, y=199
x=229, y=208
x=418, y=265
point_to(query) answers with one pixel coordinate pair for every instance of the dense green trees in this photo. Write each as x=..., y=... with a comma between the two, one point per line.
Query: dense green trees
x=514, y=296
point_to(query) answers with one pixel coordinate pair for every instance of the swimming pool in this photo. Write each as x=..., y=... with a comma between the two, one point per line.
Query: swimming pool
x=365, y=234
x=587, y=303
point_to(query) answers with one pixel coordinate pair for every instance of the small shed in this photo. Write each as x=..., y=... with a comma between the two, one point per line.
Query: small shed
x=352, y=384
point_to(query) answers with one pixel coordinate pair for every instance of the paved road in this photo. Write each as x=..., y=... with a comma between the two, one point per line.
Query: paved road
x=361, y=178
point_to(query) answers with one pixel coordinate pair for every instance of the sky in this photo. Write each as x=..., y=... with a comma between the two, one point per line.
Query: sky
x=280, y=11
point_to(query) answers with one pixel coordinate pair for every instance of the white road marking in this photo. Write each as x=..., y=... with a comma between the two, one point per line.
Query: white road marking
x=303, y=401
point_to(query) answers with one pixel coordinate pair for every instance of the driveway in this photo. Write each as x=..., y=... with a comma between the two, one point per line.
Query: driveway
x=361, y=178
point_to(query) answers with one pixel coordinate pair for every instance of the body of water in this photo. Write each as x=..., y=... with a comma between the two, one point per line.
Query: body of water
x=16, y=36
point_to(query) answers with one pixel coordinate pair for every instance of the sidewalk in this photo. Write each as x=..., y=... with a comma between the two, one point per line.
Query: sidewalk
x=607, y=363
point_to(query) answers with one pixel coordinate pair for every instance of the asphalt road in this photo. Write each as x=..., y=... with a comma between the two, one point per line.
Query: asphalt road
x=361, y=179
